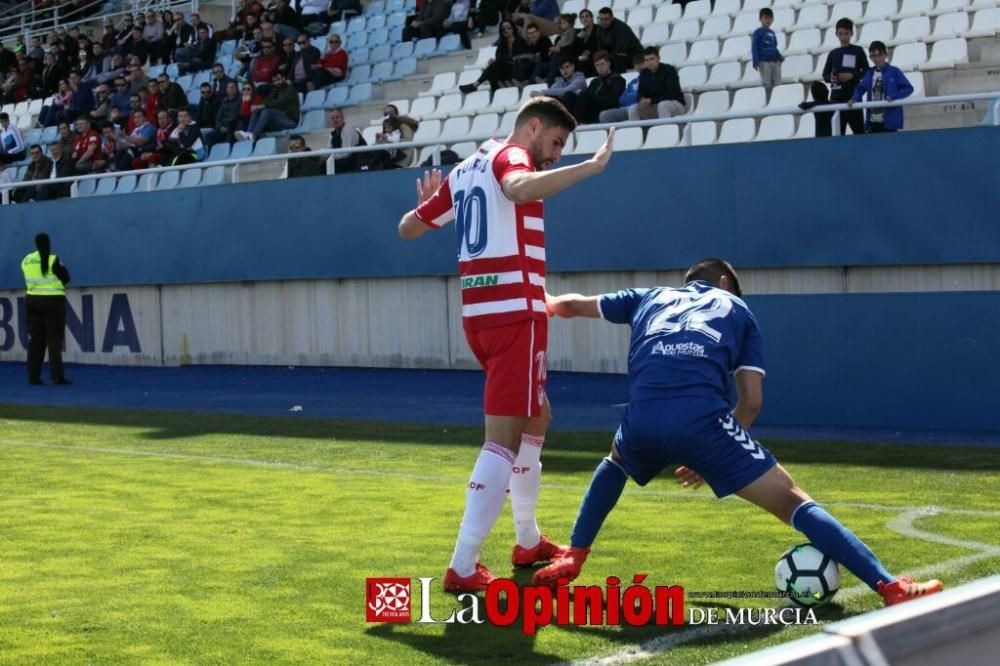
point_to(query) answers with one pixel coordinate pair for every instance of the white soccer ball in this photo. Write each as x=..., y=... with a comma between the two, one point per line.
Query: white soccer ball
x=810, y=576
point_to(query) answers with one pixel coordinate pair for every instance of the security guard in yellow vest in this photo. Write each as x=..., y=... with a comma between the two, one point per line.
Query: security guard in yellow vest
x=45, y=279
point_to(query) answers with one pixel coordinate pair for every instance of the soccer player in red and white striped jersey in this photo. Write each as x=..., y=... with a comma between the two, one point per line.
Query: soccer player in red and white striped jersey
x=495, y=199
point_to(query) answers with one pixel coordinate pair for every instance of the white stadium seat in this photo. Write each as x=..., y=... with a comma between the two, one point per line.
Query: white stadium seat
x=807, y=126
x=700, y=134
x=442, y=83
x=448, y=105
x=749, y=99
x=851, y=9
x=484, y=123
x=775, y=128
x=736, y=48
x=797, y=67
x=422, y=107
x=913, y=29
x=915, y=7
x=725, y=74
x=711, y=103
x=726, y=7
x=804, y=41
x=673, y=53
x=876, y=31
x=950, y=5
x=662, y=136
x=667, y=13
x=655, y=34
x=986, y=23
x=909, y=56
x=812, y=16
x=428, y=130
x=715, y=26
x=952, y=24
x=738, y=130
x=474, y=103
x=504, y=99
x=948, y=53
x=880, y=9
x=455, y=129
x=703, y=50
x=627, y=138
x=745, y=23
x=638, y=18
x=788, y=94
x=687, y=30
x=697, y=9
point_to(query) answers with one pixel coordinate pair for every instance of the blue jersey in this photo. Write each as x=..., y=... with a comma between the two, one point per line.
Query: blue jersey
x=686, y=342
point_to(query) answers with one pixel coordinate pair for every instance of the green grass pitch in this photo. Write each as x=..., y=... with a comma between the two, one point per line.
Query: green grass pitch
x=167, y=538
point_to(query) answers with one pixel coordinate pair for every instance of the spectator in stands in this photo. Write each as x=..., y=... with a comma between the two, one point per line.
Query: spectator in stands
x=428, y=22
x=82, y=100
x=52, y=114
x=344, y=136
x=35, y=50
x=264, y=66
x=196, y=23
x=533, y=64
x=823, y=119
x=137, y=46
x=390, y=158
x=246, y=19
x=115, y=69
x=268, y=33
x=341, y=10
x=117, y=118
x=97, y=63
x=7, y=58
x=227, y=118
x=764, y=51
x=108, y=39
x=67, y=137
x=86, y=148
x=120, y=96
x=208, y=108
x=141, y=139
x=500, y=69
x=541, y=13
x=248, y=49
x=287, y=53
x=286, y=20
x=52, y=73
x=160, y=152
x=408, y=125
x=106, y=156
x=200, y=55
x=567, y=86
x=279, y=111
x=184, y=145
x=170, y=36
x=11, y=142
x=628, y=98
x=61, y=167
x=313, y=11
x=300, y=71
x=563, y=47
x=602, y=94
x=304, y=166
x=38, y=169
x=151, y=105
x=152, y=33
x=882, y=83
x=660, y=94
x=845, y=65
x=124, y=33
x=458, y=21
x=136, y=77
x=219, y=80
x=102, y=107
x=615, y=37
x=332, y=67
x=249, y=99
x=172, y=96
x=135, y=104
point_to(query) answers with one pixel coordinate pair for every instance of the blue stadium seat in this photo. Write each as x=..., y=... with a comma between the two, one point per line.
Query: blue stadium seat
x=234, y=70
x=360, y=74
x=86, y=187
x=266, y=146
x=214, y=176
x=49, y=134
x=168, y=180
x=378, y=37
x=190, y=178
x=185, y=81
x=313, y=120
x=425, y=48
x=409, y=6
x=33, y=137
x=375, y=8
x=220, y=151
x=356, y=26
x=402, y=50
x=357, y=39
x=205, y=76
x=314, y=100
x=396, y=34
x=359, y=56
x=319, y=42
x=155, y=70
x=382, y=71
x=405, y=67
x=105, y=186
x=147, y=182
x=395, y=6
x=360, y=94
x=194, y=96
x=375, y=22
x=380, y=54
x=172, y=71
x=338, y=28
x=449, y=43
x=126, y=184
x=240, y=150
x=228, y=48
x=397, y=20
x=336, y=97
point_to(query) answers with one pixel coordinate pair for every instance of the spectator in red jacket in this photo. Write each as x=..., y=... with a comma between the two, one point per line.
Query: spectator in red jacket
x=332, y=67
x=265, y=65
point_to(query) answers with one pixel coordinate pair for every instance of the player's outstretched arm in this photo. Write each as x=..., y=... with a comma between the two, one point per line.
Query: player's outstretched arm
x=523, y=186
x=572, y=305
x=411, y=226
x=750, y=392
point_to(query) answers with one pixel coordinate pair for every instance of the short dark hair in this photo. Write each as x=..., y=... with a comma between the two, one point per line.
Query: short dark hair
x=205, y=85
x=549, y=110
x=638, y=59
x=878, y=47
x=602, y=55
x=606, y=11
x=4, y=116
x=819, y=91
x=569, y=17
x=567, y=59
x=846, y=24
x=650, y=50
x=710, y=270
x=297, y=137
x=765, y=11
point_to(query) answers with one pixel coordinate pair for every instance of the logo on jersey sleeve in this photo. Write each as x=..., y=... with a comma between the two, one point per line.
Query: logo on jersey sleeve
x=518, y=157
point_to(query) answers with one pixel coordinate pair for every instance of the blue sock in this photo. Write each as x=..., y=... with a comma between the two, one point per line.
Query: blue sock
x=605, y=489
x=830, y=537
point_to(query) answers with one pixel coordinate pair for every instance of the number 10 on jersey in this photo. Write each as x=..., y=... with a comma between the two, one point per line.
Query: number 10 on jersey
x=470, y=220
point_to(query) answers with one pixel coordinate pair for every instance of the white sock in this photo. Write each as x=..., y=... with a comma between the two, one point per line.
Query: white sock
x=525, y=482
x=484, y=500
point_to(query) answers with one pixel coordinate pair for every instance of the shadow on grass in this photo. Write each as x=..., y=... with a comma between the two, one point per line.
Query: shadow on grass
x=562, y=450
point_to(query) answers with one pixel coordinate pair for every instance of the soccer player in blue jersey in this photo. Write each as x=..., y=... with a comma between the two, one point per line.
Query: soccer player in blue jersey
x=688, y=346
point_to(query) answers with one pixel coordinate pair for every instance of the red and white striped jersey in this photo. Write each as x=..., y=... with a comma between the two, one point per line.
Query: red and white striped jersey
x=501, y=244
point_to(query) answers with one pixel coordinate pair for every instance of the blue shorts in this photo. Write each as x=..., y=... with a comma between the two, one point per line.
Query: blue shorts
x=698, y=434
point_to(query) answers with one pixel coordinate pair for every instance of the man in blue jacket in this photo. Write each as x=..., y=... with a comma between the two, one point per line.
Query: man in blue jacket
x=882, y=83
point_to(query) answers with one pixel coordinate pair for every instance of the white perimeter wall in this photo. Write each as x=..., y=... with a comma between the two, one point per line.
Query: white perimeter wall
x=399, y=322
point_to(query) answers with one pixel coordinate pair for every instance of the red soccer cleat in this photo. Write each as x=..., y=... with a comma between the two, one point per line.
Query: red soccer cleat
x=544, y=551
x=476, y=582
x=904, y=589
x=567, y=566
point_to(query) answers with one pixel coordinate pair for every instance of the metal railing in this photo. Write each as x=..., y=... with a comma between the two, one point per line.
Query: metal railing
x=332, y=154
x=28, y=24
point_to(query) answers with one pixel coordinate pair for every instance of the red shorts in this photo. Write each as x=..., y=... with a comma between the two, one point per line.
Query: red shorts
x=513, y=357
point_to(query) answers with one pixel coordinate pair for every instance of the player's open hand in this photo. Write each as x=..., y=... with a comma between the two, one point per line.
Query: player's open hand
x=603, y=154
x=429, y=185
x=688, y=478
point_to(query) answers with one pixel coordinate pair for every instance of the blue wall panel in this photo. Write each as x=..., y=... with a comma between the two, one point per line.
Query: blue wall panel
x=912, y=198
x=907, y=361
